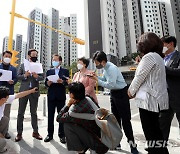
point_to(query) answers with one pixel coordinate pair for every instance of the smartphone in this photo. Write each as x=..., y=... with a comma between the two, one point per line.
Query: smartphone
x=36, y=89
x=67, y=78
x=89, y=75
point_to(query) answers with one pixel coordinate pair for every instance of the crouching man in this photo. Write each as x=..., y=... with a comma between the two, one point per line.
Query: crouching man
x=5, y=98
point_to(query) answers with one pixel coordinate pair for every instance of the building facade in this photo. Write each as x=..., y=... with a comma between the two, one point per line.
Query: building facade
x=24, y=52
x=34, y=32
x=5, y=44
x=18, y=48
x=67, y=48
x=45, y=53
x=175, y=14
x=53, y=19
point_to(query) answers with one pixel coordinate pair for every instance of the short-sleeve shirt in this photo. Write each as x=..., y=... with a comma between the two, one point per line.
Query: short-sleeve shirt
x=9, y=101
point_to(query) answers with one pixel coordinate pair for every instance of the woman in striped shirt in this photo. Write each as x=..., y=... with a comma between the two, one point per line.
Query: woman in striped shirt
x=150, y=90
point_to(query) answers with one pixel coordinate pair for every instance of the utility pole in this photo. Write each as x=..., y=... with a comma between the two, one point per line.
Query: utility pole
x=10, y=41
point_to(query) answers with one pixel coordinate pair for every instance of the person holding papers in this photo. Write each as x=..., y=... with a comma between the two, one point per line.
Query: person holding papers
x=28, y=80
x=8, y=79
x=56, y=95
x=5, y=99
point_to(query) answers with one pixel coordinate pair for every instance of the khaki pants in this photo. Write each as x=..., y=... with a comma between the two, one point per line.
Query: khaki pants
x=7, y=110
x=4, y=123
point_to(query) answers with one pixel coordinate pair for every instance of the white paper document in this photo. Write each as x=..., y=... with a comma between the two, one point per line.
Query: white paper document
x=6, y=75
x=53, y=78
x=33, y=67
x=141, y=95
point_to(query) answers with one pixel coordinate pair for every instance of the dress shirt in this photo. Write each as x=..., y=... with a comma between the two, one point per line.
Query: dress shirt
x=57, y=70
x=112, y=77
x=168, y=57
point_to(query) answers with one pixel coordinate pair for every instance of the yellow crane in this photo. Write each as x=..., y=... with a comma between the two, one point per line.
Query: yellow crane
x=10, y=42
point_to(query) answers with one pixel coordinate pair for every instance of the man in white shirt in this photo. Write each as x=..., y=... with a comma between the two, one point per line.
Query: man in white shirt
x=5, y=98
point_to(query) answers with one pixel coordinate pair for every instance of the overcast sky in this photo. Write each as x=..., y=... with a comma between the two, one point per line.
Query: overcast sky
x=24, y=7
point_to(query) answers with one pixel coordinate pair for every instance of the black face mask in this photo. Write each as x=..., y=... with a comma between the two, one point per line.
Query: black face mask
x=99, y=66
x=34, y=59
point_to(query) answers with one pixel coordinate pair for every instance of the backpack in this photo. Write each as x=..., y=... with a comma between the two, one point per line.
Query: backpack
x=111, y=133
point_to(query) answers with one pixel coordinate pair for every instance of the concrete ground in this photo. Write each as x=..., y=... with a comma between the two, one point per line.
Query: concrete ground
x=29, y=145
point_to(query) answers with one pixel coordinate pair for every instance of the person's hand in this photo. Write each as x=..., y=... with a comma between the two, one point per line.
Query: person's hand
x=104, y=114
x=129, y=94
x=35, y=75
x=34, y=90
x=11, y=82
x=69, y=81
x=94, y=76
x=59, y=81
x=1, y=135
x=27, y=73
x=49, y=83
x=71, y=101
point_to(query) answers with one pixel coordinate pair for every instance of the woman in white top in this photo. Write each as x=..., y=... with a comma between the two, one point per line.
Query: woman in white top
x=5, y=98
x=150, y=90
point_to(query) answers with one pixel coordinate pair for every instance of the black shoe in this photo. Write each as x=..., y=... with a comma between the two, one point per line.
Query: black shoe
x=7, y=136
x=134, y=150
x=48, y=138
x=63, y=140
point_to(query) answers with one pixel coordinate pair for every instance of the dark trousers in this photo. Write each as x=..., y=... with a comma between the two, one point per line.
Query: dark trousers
x=121, y=109
x=79, y=139
x=33, y=101
x=165, y=120
x=52, y=105
x=150, y=125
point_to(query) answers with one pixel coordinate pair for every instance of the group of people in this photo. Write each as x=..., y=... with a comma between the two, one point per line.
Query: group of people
x=155, y=88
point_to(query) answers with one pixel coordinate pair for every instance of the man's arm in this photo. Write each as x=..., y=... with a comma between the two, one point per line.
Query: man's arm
x=25, y=93
x=173, y=71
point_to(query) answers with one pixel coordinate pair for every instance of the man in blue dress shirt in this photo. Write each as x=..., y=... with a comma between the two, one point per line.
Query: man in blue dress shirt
x=172, y=64
x=112, y=79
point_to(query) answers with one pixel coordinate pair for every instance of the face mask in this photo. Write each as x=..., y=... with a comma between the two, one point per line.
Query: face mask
x=164, y=49
x=55, y=63
x=99, y=66
x=7, y=60
x=79, y=66
x=34, y=59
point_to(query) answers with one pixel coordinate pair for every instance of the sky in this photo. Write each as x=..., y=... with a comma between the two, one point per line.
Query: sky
x=24, y=7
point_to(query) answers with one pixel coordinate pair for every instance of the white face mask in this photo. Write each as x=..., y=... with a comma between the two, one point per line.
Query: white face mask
x=7, y=60
x=164, y=49
x=79, y=66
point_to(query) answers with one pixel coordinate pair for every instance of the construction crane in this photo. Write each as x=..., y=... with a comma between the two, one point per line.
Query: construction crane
x=10, y=42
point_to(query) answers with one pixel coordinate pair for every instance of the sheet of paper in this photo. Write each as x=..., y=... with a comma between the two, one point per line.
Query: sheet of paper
x=141, y=95
x=36, y=67
x=33, y=67
x=26, y=65
x=53, y=78
x=6, y=75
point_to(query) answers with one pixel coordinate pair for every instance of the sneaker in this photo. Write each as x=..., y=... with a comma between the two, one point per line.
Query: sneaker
x=118, y=147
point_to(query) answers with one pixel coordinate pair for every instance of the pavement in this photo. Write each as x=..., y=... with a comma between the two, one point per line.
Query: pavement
x=29, y=145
